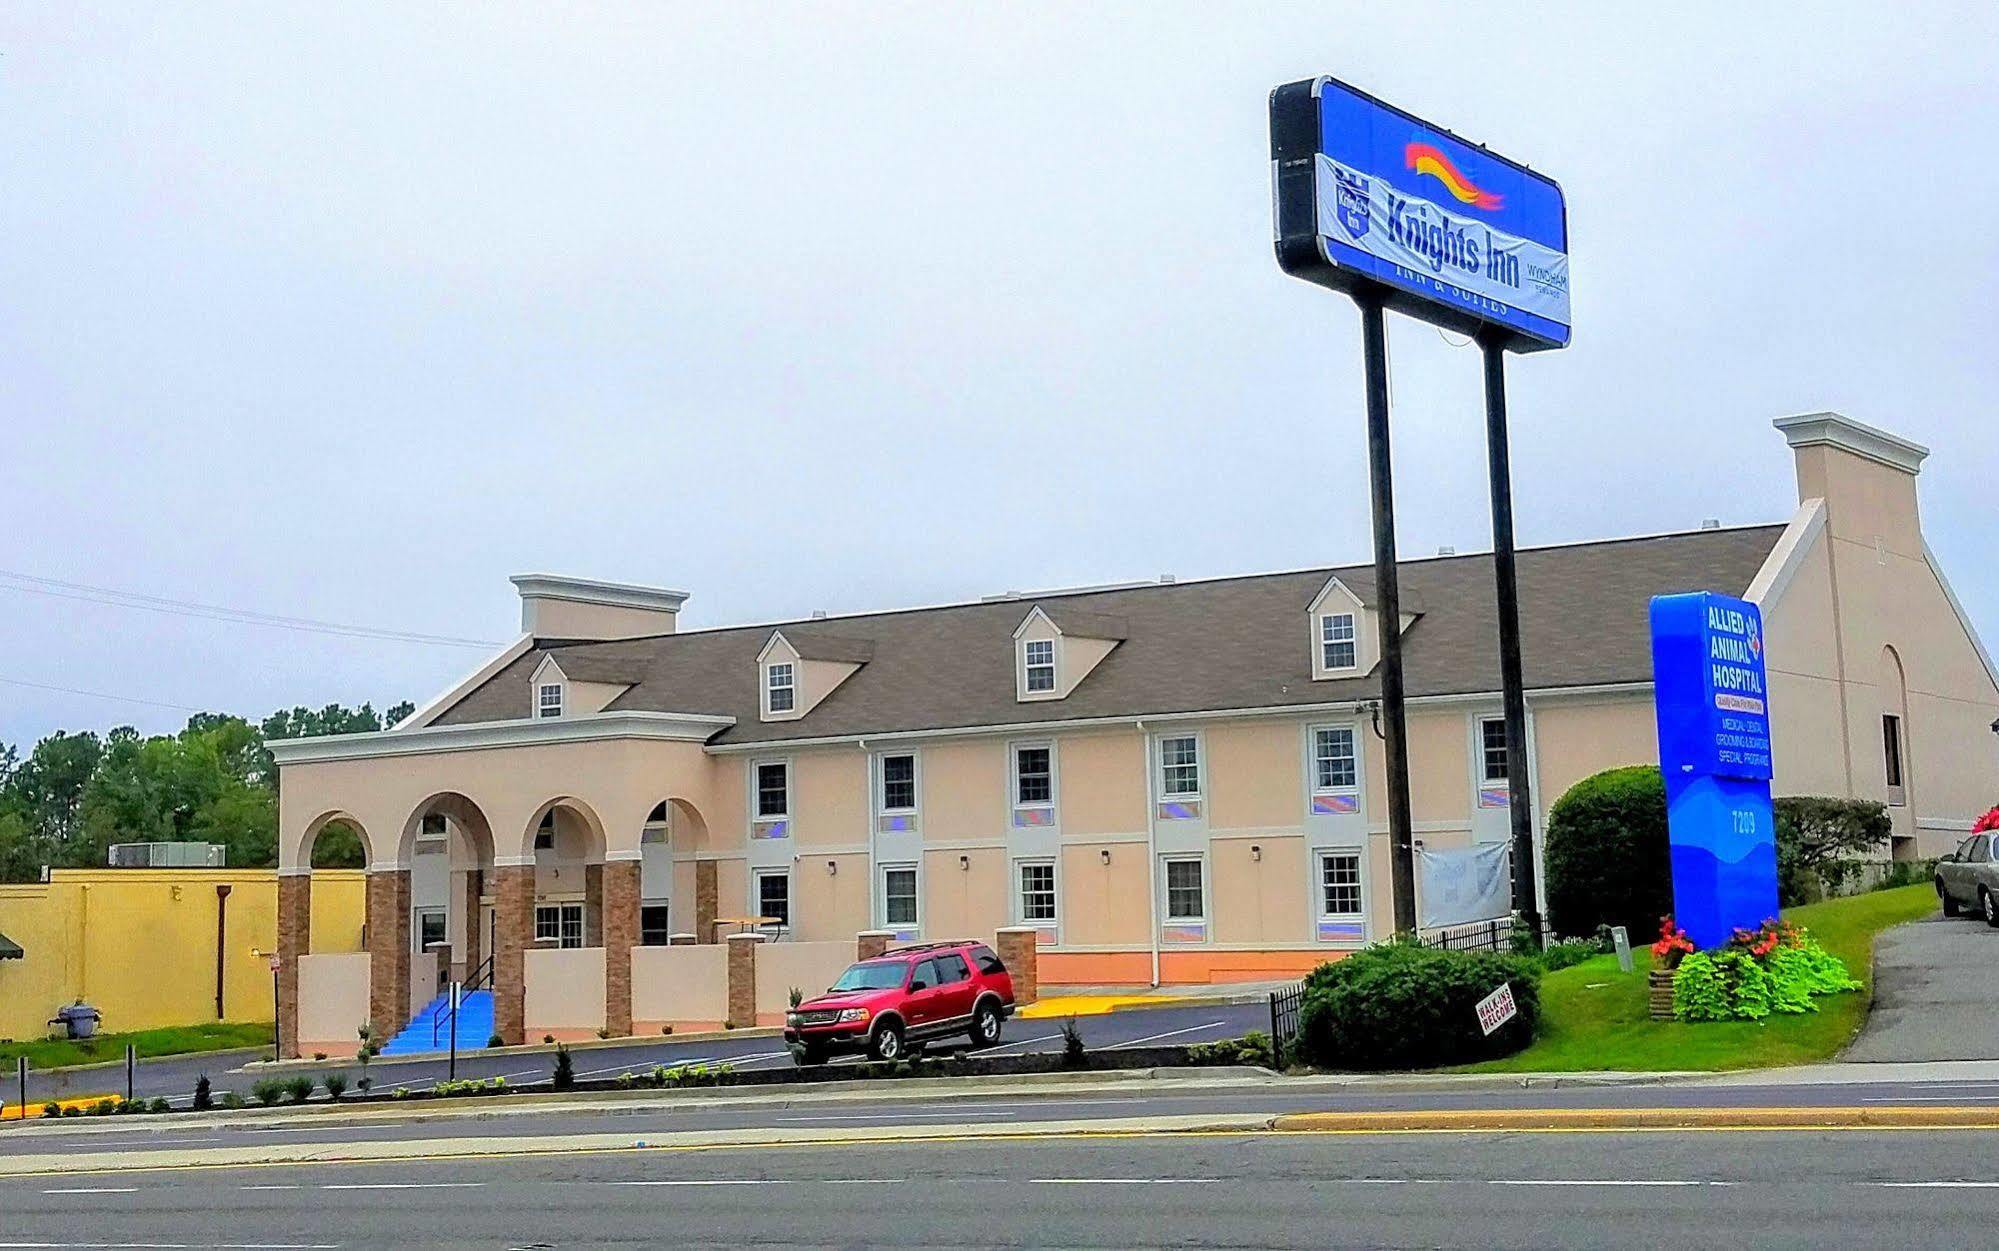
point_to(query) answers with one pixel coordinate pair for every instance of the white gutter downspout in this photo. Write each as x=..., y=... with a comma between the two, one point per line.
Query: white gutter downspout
x=1151, y=855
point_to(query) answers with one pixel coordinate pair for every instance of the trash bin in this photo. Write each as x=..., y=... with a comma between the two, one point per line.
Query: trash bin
x=79, y=1019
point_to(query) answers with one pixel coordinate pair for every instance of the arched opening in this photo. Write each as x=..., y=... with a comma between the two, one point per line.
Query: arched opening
x=673, y=835
x=567, y=841
x=447, y=844
x=335, y=920
x=322, y=964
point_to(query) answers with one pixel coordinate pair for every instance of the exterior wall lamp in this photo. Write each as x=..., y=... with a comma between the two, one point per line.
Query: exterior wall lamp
x=964, y=864
x=1104, y=854
x=1255, y=852
x=832, y=867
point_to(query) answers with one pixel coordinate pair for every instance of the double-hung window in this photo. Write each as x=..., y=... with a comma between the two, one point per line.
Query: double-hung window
x=1179, y=766
x=1339, y=884
x=1033, y=776
x=430, y=924
x=1334, y=766
x=774, y=896
x=1038, y=657
x=1186, y=889
x=1336, y=641
x=773, y=790
x=548, y=700
x=780, y=688
x=899, y=896
x=1492, y=750
x=1037, y=892
x=560, y=923
x=898, y=783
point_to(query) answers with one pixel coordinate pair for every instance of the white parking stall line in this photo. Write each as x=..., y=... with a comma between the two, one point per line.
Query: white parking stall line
x=1022, y=1042
x=1592, y=1181
x=953, y=1114
x=93, y=1190
x=1172, y=1033
x=732, y=1181
x=169, y=1246
x=402, y=1185
x=1121, y=1181
x=636, y=1069
x=1937, y=1185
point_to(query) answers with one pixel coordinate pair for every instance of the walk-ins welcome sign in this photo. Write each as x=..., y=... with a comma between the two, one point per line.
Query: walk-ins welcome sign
x=1711, y=699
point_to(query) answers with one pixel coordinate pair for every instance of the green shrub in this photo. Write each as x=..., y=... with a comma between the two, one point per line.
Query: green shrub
x=335, y=1083
x=73, y=1110
x=202, y=1099
x=1773, y=972
x=300, y=1088
x=565, y=1069
x=268, y=1090
x=231, y=1100
x=496, y=1041
x=1405, y=1006
x=1605, y=857
x=159, y=1105
x=1253, y=1048
x=1564, y=954
x=1821, y=841
x=1072, y=1044
x=51, y=1111
x=103, y=1107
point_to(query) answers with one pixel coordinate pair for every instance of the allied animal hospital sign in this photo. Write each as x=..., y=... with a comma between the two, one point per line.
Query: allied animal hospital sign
x=1457, y=235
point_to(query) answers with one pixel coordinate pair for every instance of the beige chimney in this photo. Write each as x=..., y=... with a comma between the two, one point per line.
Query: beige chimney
x=554, y=607
x=1867, y=478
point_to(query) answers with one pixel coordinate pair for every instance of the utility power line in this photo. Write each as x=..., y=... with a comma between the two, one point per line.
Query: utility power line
x=123, y=699
x=82, y=592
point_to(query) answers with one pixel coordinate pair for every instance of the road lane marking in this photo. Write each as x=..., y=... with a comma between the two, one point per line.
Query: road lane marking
x=1121, y=1181
x=94, y=1190
x=1957, y=1099
x=288, y=1187
x=733, y=1181
x=877, y=1116
x=169, y=1246
x=401, y=1185
x=1574, y=1181
x=1172, y=1033
x=1938, y=1185
x=1024, y=1042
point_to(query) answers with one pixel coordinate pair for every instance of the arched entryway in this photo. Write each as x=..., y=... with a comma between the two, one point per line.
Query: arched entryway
x=333, y=840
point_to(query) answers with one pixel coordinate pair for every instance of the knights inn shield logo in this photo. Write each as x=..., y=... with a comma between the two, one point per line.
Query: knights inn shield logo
x=1352, y=203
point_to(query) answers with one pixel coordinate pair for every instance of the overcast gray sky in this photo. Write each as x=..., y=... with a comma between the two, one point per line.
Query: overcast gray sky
x=348, y=313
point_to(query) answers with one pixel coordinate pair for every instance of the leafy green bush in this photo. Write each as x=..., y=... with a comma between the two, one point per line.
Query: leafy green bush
x=300, y=1088
x=1820, y=841
x=268, y=1090
x=1564, y=954
x=231, y=1100
x=1404, y=1006
x=159, y=1105
x=1253, y=1048
x=1605, y=857
x=1777, y=970
x=335, y=1083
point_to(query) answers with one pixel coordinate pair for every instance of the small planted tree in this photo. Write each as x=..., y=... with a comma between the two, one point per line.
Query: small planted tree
x=203, y=1099
x=565, y=1068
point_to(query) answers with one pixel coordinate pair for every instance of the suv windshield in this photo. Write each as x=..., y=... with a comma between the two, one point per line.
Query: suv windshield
x=872, y=976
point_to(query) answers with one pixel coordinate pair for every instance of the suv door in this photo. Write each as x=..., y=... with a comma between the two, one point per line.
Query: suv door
x=921, y=1008
x=956, y=990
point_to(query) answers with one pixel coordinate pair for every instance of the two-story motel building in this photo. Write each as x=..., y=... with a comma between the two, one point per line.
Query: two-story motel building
x=1172, y=781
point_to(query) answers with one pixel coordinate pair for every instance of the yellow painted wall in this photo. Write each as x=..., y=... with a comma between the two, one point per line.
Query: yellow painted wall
x=140, y=944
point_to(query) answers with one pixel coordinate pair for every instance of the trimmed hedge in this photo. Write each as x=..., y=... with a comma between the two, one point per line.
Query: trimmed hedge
x=1606, y=857
x=1403, y=1006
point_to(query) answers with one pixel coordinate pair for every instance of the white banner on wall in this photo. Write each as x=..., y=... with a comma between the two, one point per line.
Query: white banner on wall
x=1458, y=887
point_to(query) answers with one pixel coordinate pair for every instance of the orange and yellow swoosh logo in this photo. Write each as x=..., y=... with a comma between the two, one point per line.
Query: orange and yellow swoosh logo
x=1425, y=159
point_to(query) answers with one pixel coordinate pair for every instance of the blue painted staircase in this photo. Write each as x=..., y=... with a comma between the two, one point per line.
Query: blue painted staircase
x=430, y=1030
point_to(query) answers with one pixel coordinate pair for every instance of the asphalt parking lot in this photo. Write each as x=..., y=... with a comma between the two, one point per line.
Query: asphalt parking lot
x=1936, y=989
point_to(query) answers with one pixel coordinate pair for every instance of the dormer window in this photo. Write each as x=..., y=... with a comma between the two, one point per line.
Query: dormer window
x=1336, y=641
x=780, y=687
x=548, y=700
x=1038, y=655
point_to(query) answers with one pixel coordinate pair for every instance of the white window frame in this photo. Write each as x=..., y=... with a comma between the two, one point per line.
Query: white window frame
x=1013, y=751
x=562, y=909
x=757, y=878
x=915, y=872
x=1320, y=857
x=1200, y=767
x=1485, y=777
x=1020, y=868
x=788, y=669
x=420, y=915
x=757, y=814
x=915, y=783
x=1029, y=667
x=1312, y=746
x=1166, y=914
x=1329, y=639
x=544, y=709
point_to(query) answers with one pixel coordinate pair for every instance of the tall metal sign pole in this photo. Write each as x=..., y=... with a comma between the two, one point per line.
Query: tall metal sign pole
x=1404, y=215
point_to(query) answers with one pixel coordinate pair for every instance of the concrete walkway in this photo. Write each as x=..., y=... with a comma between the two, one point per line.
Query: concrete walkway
x=1936, y=994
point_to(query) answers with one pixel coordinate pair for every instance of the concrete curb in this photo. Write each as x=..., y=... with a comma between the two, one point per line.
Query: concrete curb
x=264, y=1154
x=1505, y=1119
x=225, y=1053
x=527, y=1049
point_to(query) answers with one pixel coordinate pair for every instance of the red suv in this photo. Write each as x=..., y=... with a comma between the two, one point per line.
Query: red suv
x=884, y=1006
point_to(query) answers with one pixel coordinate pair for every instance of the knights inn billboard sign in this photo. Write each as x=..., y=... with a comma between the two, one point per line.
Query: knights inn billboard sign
x=1712, y=704
x=1459, y=236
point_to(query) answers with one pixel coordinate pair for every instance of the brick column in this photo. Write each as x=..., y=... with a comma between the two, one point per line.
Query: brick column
x=294, y=940
x=388, y=951
x=513, y=930
x=593, y=905
x=621, y=934
x=469, y=955
x=706, y=897
x=743, y=979
x=1018, y=952
x=871, y=943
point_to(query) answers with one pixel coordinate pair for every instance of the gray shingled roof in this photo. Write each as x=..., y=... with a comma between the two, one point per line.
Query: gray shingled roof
x=1189, y=646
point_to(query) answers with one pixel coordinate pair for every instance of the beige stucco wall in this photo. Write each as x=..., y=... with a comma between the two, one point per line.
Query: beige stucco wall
x=829, y=802
x=565, y=989
x=675, y=984
x=1105, y=903
x=1574, y=739
x=567, y=619
x=1109, y=794
x=1260, y=900
x=1254, y=775
x=964, y=789
x=332, y=1001
x=963, y=902
x=829, y=906
x=810, y=966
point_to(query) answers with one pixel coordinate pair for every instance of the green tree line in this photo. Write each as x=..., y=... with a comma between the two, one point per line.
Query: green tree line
x=64, y=803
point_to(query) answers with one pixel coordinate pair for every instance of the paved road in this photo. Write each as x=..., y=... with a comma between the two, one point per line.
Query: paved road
x=173, y=1078
x=1936, y=994
x=1591, y=1189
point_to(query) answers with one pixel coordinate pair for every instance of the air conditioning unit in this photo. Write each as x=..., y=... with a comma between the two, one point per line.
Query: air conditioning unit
x=167, y=855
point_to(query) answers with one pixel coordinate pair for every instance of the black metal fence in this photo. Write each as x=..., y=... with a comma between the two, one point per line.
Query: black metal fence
x=1284, y=1008
x=1493, y=935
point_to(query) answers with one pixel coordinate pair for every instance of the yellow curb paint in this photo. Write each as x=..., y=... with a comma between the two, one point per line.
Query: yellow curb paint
x=12, y=1111
x=1063, y=1006
x=1600, y=1119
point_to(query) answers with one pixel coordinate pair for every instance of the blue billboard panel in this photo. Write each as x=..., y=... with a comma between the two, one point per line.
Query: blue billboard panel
x=1462, y=236
x=1711, y=701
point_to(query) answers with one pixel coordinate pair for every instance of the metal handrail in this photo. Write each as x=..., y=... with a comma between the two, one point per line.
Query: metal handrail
x=441, y=1015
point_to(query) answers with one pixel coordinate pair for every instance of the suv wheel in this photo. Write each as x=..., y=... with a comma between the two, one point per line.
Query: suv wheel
x=887, y=1042
x=1949, y=904
x=985, y=1024
x=1988, y=908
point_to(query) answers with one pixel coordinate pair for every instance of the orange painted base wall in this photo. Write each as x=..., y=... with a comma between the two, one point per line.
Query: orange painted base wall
x=1180, y=968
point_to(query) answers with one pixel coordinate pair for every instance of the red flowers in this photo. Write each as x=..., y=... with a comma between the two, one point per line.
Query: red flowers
x=1673, y=943
x=1986, y=823
x=1765, y=939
